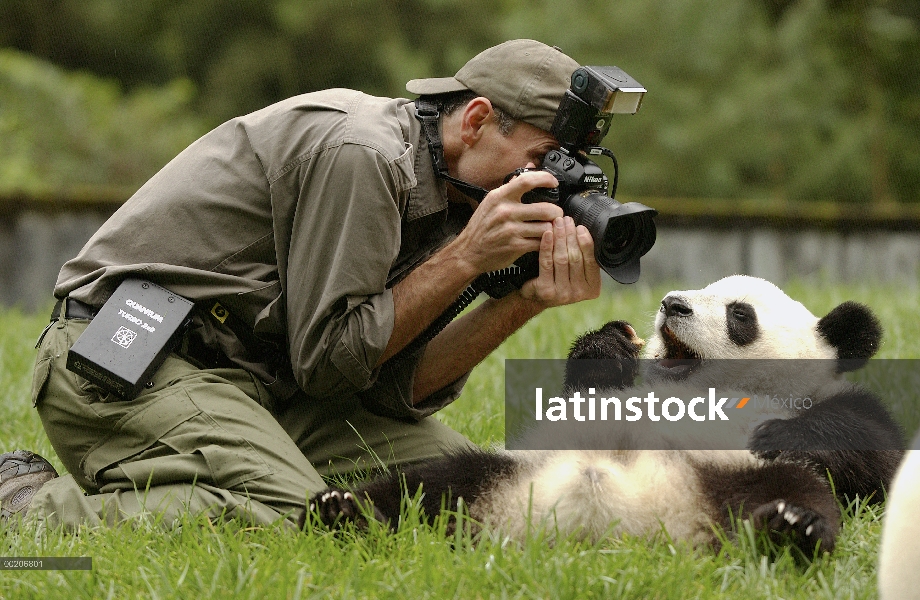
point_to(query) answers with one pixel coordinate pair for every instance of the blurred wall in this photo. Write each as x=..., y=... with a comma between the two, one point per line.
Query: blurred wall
x=691, y=249
x=697, y=256
x=34, y=243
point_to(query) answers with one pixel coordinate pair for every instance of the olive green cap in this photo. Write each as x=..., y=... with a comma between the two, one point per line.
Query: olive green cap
x=525, y=78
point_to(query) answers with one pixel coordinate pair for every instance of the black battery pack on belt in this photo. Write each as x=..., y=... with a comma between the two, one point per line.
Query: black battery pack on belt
x=130, y=337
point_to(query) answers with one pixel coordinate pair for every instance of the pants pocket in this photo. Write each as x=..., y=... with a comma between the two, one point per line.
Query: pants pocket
x=40, y=378
x=230, y=458
x=137, y=431
x=172, y=440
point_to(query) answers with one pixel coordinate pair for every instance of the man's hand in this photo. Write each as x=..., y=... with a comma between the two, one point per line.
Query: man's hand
x=502, y=228
x=568, y=269
x=568, y=273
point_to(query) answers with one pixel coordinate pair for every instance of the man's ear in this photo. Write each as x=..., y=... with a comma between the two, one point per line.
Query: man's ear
x=474, y=117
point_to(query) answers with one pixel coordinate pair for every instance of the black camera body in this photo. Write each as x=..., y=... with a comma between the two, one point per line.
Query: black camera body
x=575, y=174
x=622, y=233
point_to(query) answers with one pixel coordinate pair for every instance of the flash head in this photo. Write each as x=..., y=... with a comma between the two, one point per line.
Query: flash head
x=608, y=89
x=595, y=95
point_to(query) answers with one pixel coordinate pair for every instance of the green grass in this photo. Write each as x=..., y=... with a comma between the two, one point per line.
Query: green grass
x=227, y=560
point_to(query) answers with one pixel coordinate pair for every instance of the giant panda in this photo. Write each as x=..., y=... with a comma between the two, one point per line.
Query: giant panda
x=782, y=477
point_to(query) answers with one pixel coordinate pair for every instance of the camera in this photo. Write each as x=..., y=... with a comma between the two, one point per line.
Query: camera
x=622, y=233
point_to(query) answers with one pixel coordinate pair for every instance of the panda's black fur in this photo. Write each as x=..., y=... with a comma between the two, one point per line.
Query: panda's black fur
x=780, y=483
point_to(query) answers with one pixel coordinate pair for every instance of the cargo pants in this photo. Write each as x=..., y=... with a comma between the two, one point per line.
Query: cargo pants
x=203, y=441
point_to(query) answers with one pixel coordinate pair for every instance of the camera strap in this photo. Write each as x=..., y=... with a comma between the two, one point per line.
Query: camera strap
x=427, y=114
x=497, y=284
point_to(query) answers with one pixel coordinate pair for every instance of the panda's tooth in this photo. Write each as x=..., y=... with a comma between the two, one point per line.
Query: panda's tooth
x=809, y=529
x=780, y=507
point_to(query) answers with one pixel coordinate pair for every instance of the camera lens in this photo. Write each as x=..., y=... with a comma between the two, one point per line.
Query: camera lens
x=626, y=238
x=622, y=233
x=617, y=237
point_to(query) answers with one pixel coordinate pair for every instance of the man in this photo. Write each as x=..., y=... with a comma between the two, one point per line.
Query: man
x=317, y=240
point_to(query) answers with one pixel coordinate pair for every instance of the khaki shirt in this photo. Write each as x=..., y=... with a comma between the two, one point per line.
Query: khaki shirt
x=298, y=219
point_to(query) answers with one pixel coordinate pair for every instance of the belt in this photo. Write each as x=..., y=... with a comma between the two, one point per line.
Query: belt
x=75, y=310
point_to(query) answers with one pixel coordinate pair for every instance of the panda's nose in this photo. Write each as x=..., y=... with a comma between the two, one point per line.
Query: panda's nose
x=675, y=306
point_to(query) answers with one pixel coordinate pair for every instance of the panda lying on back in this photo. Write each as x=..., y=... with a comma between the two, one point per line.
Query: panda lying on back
x=780, y=483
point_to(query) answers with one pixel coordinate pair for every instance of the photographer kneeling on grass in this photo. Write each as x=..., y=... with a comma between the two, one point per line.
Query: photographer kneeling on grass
x=316, y=239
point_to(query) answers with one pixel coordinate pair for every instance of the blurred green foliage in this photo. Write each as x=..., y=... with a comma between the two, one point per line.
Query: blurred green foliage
x=780, y=99
x=63, y=131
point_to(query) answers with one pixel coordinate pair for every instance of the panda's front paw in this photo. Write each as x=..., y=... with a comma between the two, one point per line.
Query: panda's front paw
x=771, y=438
x=808, y=529
x=616, y=339
x=334, y=507
x=605, y=358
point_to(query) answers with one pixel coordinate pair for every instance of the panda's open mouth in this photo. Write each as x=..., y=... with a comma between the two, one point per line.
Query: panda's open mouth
x=679, y=359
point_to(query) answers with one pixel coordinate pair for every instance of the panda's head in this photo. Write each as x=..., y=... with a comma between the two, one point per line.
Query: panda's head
x=743, y=317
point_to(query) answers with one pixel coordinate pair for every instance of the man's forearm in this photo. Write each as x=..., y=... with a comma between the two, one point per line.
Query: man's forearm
x=423, y=295
x=500, y=230
x=468, y=340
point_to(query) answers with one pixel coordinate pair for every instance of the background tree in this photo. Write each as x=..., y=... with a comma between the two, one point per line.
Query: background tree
x=777, y=99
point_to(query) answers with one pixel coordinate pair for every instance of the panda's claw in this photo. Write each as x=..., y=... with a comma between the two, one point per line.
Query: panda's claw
x=335, y=507
x=806, y=527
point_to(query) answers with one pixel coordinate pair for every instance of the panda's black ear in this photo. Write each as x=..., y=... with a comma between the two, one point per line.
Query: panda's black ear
x=854, y=331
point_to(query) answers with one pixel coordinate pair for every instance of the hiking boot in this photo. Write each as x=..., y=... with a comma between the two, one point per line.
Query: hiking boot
x=22, y=473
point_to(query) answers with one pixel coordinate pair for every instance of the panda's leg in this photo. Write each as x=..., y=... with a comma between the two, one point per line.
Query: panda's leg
x=850, y=436
x=786, y=499
x=443, y=482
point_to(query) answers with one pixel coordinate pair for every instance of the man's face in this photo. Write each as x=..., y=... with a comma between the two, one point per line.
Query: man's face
x=495, y=155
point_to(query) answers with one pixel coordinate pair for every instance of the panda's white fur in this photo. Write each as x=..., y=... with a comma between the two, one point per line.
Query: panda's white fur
x=592, y=493
x=635, y=487
x=899, y=556
x=787, y=330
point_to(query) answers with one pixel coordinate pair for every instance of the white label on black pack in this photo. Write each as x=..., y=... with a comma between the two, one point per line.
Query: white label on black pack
x=124, y=336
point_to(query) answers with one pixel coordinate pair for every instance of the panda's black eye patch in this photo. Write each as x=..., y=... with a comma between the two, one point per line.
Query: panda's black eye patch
x=741, y=321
